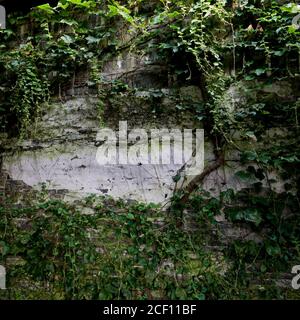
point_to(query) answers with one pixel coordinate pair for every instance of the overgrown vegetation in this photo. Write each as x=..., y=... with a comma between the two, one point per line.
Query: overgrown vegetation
x=125, y=252
x=241, y=54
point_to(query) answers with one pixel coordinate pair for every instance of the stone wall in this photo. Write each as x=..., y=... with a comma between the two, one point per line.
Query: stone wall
x=61, y=153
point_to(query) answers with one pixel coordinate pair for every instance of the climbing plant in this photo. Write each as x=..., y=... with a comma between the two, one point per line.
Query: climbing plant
x=27, y=87
x=239, y=49
x=244, y=56
x=55, y=46
x=55, y=250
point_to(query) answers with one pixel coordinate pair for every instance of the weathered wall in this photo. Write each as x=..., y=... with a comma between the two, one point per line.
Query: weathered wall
x=62, y=152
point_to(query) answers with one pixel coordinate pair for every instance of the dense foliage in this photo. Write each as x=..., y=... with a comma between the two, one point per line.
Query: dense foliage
x=237, y=52
x=126, y=251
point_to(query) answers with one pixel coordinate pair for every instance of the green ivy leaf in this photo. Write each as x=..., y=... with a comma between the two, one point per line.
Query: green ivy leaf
x=91, y=40
x=273, y=250
x=259, y=71
x=244, y=175
x=4, y=248
x=46, y=8
x=67, y=39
